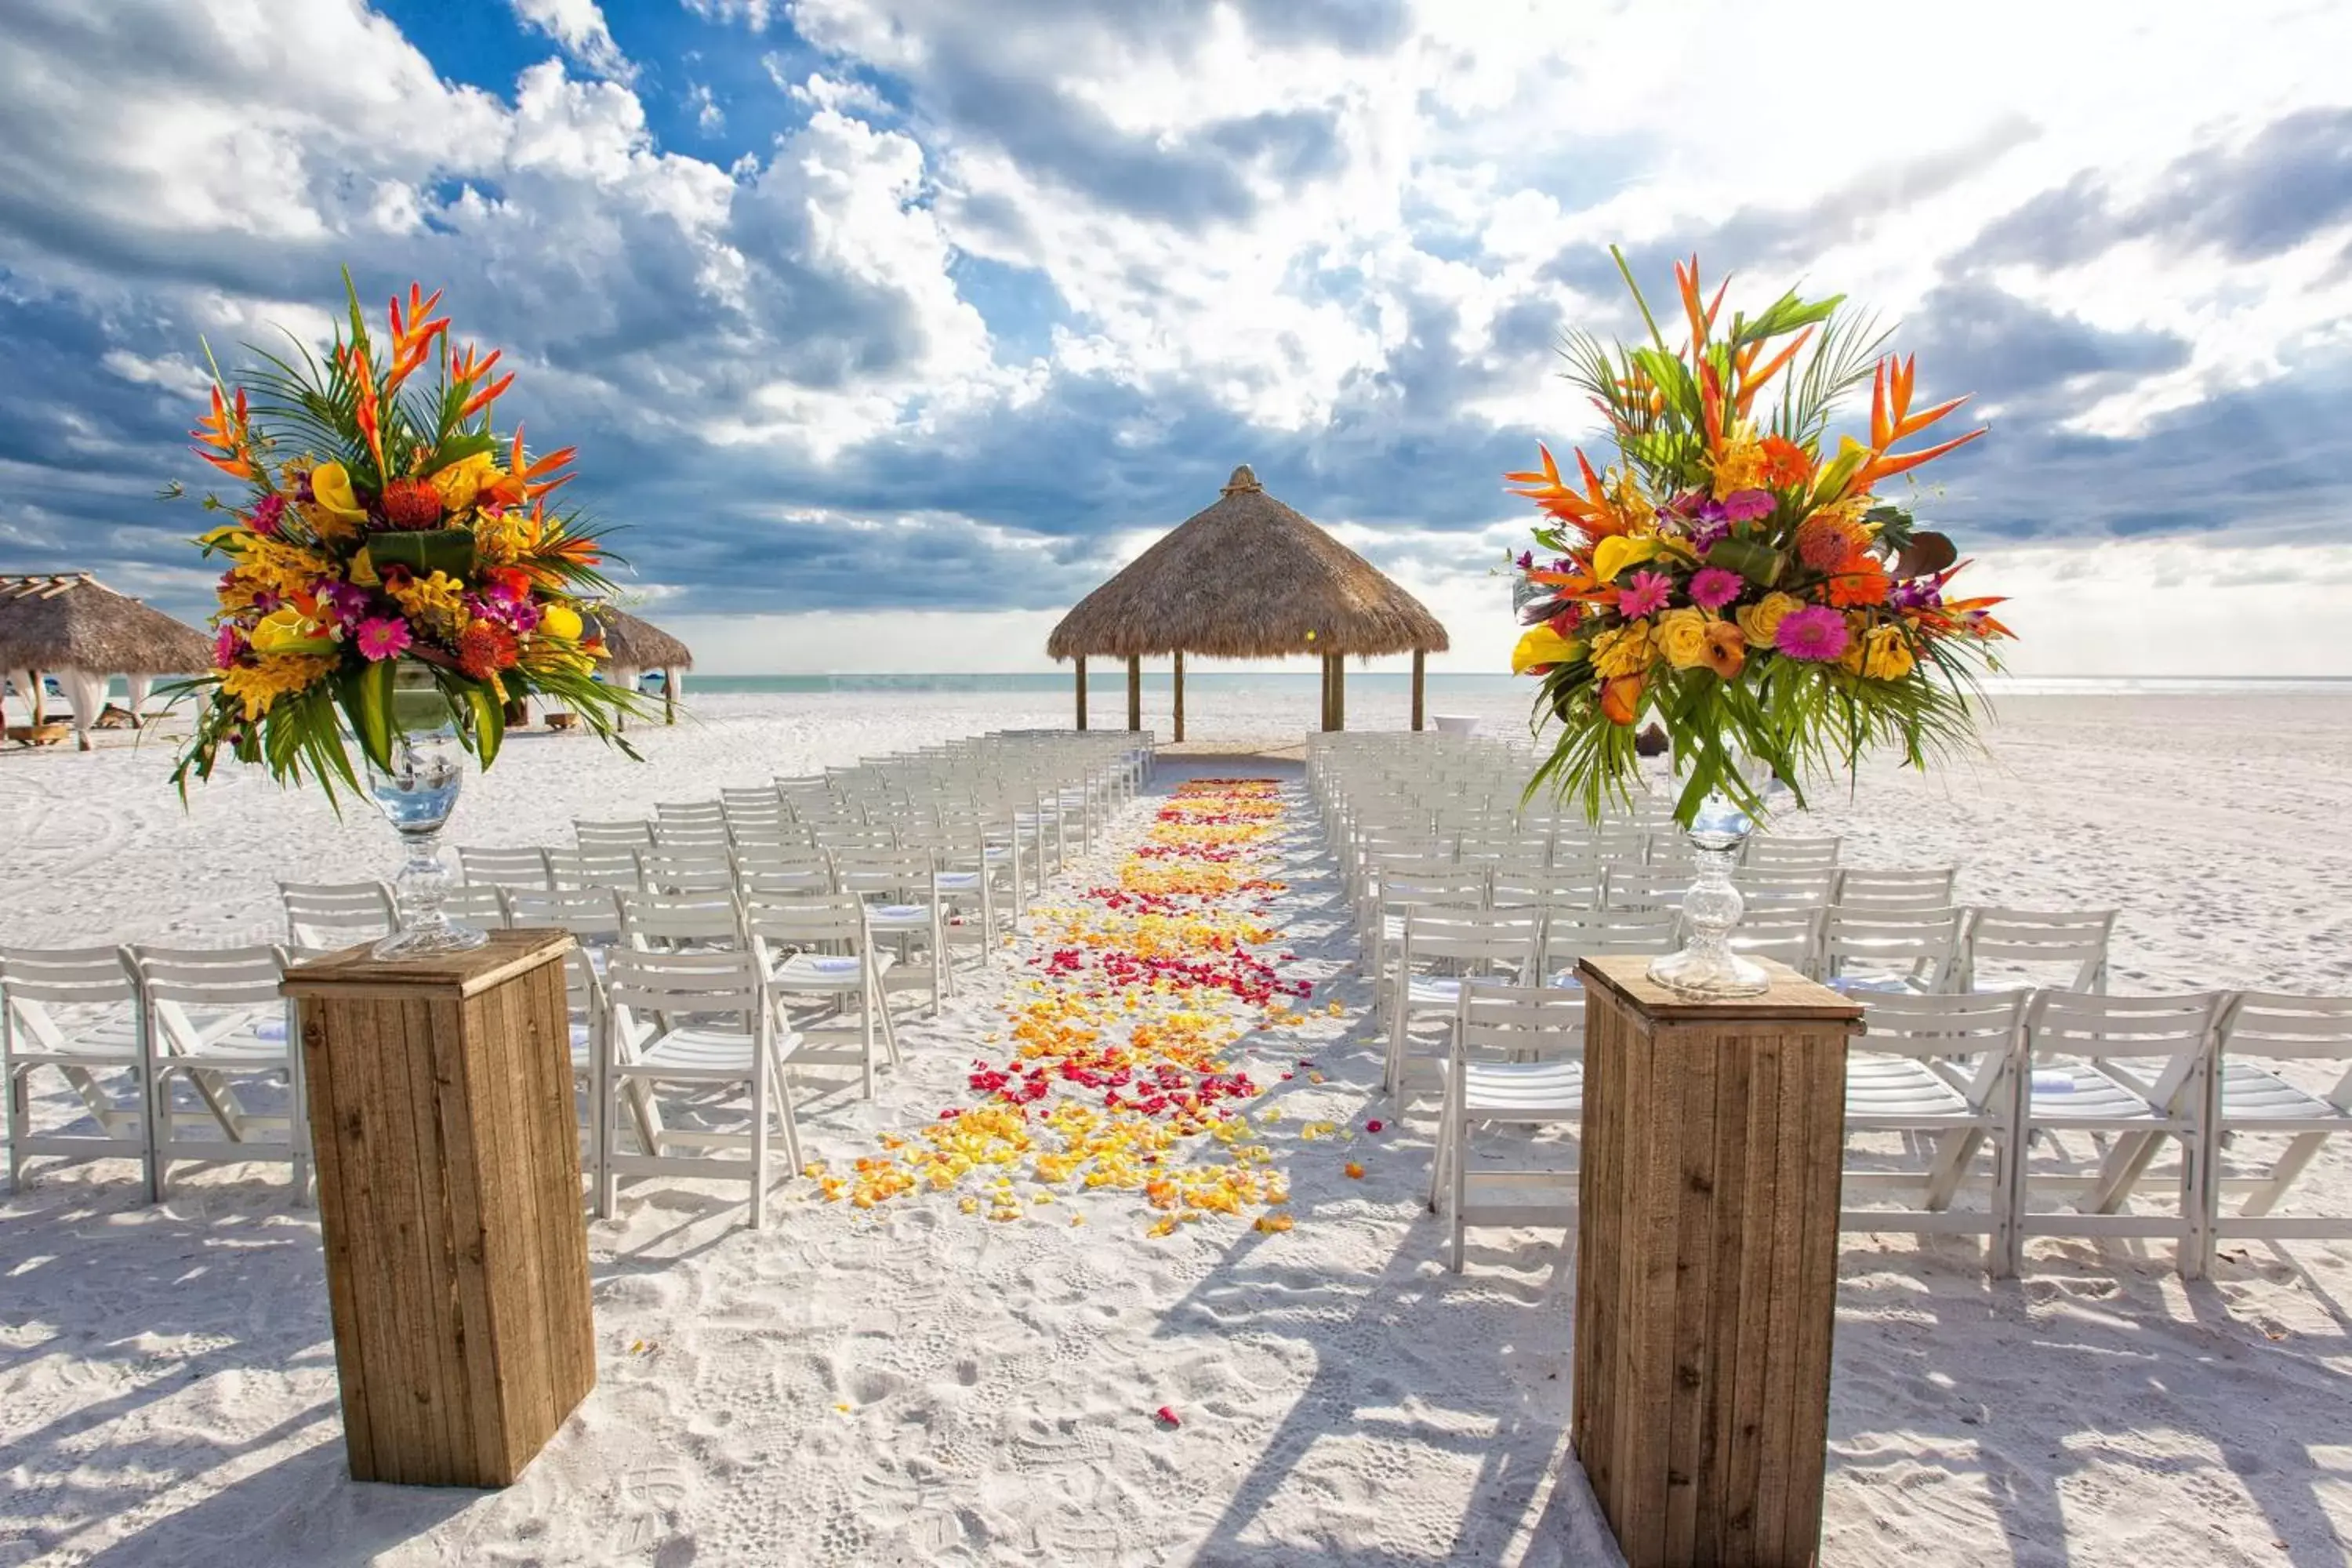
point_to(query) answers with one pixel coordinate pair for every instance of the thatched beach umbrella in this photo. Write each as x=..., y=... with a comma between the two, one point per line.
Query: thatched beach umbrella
x=634, y=646
x=1248, y=578
x=73, y=624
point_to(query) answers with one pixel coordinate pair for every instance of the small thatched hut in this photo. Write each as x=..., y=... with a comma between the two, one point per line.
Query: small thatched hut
x=1248, y=578
x=634, y=645
x=87, y=633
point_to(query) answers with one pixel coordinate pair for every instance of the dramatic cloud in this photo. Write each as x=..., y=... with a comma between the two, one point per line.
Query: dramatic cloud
x=953, y=304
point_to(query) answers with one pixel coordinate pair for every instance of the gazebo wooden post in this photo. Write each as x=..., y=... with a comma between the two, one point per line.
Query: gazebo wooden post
x=1420, y=667
x=40, y=711
x=1180, y=694
x=1134, y=691
x=1081, y=662
x=669, y=695
x=1338, y=691
x=1324, y=721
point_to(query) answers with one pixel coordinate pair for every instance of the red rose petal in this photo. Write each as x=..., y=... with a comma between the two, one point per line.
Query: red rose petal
x=1165, y=1417
x=1374, y=1126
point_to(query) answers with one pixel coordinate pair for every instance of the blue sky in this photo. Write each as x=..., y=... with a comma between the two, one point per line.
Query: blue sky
x=889, y=327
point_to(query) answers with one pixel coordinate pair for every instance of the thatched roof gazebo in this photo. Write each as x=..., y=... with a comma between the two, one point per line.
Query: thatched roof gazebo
x=73, y=624
x=633, y=646
x=1248, y=578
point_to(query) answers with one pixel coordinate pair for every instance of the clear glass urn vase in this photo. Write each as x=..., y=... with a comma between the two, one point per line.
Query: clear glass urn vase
x=416, y=794
x=1706, y=964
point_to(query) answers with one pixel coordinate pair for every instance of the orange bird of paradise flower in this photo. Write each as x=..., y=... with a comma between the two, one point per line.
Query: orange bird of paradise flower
x=226, y=430
x=413, y=335
x=1592, y=513
x=1891, y=420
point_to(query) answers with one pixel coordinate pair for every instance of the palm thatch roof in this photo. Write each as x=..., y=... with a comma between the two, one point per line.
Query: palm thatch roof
x=72, y=621
x=1248, y=578
x=634, y=644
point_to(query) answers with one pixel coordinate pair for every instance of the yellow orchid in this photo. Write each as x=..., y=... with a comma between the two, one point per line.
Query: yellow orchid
x=289, y=630
x=461, y=482
x=1540, y=647
x=1617, y=551
x=330, y=488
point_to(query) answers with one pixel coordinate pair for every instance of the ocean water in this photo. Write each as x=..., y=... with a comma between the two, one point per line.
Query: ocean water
x=1109, y=686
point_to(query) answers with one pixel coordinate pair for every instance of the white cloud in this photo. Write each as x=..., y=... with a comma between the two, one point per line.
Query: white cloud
x=578, y=26
x=709, y=118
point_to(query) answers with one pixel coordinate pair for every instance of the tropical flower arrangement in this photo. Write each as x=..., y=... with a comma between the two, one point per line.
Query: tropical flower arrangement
x=1732, y=576
x=386, y=529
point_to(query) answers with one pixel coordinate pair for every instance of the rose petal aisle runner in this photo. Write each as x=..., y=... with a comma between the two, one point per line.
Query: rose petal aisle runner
x=1117, y=1071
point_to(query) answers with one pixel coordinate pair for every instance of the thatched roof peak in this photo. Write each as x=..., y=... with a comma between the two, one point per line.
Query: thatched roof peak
x=1247, y=577
x=631, y=643
x=72, y=621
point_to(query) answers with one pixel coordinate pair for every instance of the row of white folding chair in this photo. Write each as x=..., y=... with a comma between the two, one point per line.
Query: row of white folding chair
x=126, y=1029
x=1953, y=1077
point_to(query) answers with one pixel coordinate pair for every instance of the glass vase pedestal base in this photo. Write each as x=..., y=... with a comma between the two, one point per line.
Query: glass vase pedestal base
x=430, y=941
x=1698, y=972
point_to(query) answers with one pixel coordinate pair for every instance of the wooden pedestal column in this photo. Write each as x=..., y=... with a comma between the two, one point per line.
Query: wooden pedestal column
x=1707, y=1263
x=448, y=1161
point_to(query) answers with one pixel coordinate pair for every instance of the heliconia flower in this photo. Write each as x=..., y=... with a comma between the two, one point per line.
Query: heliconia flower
x=1816, y=633
x=382, y=637
x=1712, y=587
x=1747, y=506
x=1645, y=592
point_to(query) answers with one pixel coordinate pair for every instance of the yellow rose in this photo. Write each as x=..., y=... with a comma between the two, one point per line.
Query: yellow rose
x=1618, y=551
x=1622, y=651
x=330, y=488
x=563, y=621
x=289, y=630
x=459, y=483
x=1762, y=621
x=1681, y=637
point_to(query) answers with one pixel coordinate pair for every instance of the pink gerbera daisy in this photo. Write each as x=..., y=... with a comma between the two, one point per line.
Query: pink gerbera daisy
x=1712, y=587
x=1747, y=506
x=1645, y=592
x=383, y=636
x=1816, y=633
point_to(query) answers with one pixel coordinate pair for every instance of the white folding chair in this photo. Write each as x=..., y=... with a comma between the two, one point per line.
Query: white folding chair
x=905, y=908
x=476, y=903
x=213, y=1019
x=701, y=1021
x=1773, y=889
x=2132, y=1070
x=75, y=1010
x=1930, y=889
x=1791, y=934
x=1640, y=887
x=612, y=867
x=2267, y=1127
x=1440, y=950
x=666, y=869
x=820, y=948
x=1774, y=851
x=1570, y=935
x=1517, y=1058
x=525, y=868
x=675, y=922
x=1890, y=950
x=612, y=834
x=1936, y=1076
x=2013, y=942
x=326, y=917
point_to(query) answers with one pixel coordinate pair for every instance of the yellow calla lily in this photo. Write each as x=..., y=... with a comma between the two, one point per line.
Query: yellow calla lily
x=1618, y=551
x=232, y=538
x=331, y=487
x=559, y=621
x=362, y=569
x=1540, y=647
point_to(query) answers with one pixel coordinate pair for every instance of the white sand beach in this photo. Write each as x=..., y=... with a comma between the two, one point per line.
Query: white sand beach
x=918, y=1384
